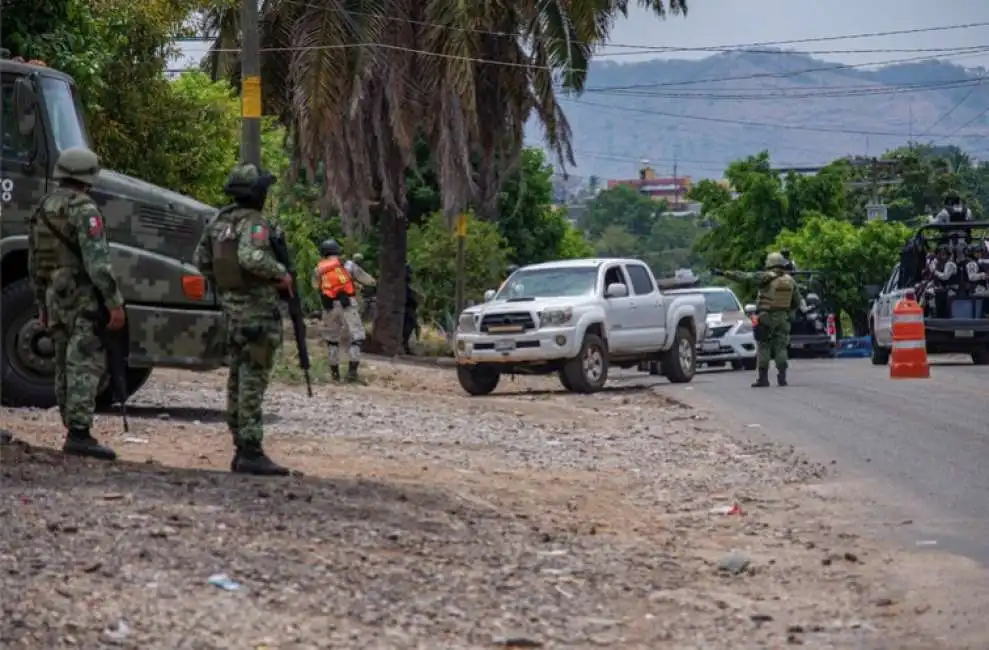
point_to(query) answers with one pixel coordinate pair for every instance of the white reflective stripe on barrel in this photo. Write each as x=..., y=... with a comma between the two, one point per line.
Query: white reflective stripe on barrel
x=908, y=318
x=909, y=344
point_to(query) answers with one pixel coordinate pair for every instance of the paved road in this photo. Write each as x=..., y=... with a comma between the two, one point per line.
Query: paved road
x=925, y=443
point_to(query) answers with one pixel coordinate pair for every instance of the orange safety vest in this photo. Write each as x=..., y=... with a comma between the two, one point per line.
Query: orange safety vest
x=334, y=279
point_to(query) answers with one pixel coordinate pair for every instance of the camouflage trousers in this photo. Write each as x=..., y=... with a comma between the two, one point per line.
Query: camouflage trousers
x=251, y=349
x=775, y=332
x=80, y=363
x=343, y=326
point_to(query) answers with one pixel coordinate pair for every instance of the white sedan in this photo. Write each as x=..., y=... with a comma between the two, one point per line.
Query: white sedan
x=729, y=329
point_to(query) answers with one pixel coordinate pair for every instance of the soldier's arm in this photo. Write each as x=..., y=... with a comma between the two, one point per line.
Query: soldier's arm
x=90, y=232
x=737, y=275
x=796, y=300
x=203, y=257
x=363, y=276
x=32, y=266
x=254, y=251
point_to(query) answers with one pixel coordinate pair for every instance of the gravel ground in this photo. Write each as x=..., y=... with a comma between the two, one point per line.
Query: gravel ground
x=425, y=519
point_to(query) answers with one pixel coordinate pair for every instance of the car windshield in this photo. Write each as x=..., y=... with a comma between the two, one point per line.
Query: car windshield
x=719, y=302
x=64, y=114
x=550, y=283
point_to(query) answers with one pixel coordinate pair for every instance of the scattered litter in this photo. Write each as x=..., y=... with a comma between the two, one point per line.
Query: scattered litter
x=688, y=388
x=118, y=631
x=555, y=552
x=733, y=509
x=223, y=581
x=753, y=426
x=927, y=542
x=136, y=441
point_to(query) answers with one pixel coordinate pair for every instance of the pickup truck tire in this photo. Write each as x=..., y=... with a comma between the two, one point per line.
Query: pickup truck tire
x=564, y=380
x=478, y=380
x=23, y=383
x=880, y=356
x=980, y=357
x=680, y=361
x=588, y=371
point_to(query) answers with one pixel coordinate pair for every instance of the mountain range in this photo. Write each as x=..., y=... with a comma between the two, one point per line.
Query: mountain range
x=701, y=114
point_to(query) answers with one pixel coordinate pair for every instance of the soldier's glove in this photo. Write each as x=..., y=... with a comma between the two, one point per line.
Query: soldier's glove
x=285, y=285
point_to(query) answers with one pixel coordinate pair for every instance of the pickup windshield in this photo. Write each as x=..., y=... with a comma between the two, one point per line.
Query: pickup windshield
x=719, y=302
x=550, y=283
x=64, y=113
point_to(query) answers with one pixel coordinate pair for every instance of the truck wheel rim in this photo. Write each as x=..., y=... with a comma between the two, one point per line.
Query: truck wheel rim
x=686, y=354
x=593, y=363
x=29, y=349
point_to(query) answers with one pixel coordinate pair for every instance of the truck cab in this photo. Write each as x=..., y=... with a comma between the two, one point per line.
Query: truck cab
x=173, y=318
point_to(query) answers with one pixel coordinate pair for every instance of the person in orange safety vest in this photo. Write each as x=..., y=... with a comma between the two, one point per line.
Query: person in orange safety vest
x=341, y=315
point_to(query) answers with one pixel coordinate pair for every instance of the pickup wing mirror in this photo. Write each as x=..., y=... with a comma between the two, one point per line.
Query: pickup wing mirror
x=25, y=105
x=872, y=291
x=616, y=290
x=489, y=295
x=749, y=309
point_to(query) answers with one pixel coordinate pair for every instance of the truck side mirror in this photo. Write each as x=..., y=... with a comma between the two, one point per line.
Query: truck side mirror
x=25, y=105
x=616, y=290
x=749, y=309
x=489, y=295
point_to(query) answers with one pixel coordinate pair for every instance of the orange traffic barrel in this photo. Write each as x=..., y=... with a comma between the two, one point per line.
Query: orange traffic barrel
x=909, y=358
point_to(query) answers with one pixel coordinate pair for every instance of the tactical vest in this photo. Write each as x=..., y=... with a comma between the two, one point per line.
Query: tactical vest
x=225, y=243
x=776, y=294
x=49, y=253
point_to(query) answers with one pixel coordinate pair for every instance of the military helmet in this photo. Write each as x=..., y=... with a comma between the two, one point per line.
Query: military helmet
x=775, y=261
x=249, y=183
x=951, y=197
x=329, y=248
x=358, y=258
x=79, y=164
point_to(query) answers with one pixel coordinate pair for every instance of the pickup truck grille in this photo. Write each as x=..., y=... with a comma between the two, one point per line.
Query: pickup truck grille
x=718, y=332
x=507, y=323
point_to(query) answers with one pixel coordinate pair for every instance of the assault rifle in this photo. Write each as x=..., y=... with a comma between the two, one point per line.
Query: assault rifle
x=280, y=248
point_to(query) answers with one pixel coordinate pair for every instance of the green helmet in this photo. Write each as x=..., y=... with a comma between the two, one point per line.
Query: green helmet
x=248, y=184
x=775, y=261
x=79, y=164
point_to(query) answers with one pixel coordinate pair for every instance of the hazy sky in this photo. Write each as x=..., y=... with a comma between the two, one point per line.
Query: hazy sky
x=731, y=22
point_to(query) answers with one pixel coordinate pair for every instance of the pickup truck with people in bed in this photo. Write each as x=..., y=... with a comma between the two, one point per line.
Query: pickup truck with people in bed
x=944, y=267
x=577, y=318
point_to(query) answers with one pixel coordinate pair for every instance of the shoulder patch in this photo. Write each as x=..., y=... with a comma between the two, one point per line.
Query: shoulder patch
x=259, y=232
x=94, y=225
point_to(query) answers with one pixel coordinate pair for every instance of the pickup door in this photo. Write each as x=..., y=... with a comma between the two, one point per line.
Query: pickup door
x=885, y=302
x=621, y=311
x=648, y=319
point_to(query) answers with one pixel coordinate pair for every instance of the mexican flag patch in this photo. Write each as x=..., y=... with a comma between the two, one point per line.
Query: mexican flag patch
x=259, y=232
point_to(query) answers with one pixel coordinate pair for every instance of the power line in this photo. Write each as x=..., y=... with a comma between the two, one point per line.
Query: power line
x=948, y=114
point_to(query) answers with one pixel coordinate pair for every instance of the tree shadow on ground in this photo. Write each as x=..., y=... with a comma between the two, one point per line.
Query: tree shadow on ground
x=182, y=414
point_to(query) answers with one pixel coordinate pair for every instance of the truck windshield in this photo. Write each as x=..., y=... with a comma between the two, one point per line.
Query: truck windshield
x=550, y=283
x=64, y=114
x=719, y=302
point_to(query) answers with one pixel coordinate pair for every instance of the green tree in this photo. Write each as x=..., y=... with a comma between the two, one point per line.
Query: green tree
x=621, y=206
x=526, y=216
x=849, y=258
x=433, y=252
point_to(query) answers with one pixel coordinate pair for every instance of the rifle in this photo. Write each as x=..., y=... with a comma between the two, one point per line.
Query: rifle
x=280, y=248
x=115, y=344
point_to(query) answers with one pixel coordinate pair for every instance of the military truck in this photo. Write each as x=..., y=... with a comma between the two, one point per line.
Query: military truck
x=173, y=317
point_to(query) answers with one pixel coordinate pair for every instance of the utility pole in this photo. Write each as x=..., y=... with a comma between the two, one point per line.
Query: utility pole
x=250, y=84
x=876, y=209
x=460, y=284
x=676, y=181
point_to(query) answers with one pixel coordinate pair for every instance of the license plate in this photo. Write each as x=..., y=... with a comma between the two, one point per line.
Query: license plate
x=504, y=346
x=710, y=346
x=964, y=334
x=797, y=345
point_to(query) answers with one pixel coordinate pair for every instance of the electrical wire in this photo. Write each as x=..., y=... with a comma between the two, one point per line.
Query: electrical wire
x=954, y=108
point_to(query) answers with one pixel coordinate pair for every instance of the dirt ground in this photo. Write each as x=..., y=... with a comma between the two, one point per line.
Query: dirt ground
x=426, y=519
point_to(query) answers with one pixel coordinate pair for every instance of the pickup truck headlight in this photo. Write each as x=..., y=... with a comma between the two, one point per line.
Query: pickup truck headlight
x=466, y=323
x=553, y=317
x=745, y=327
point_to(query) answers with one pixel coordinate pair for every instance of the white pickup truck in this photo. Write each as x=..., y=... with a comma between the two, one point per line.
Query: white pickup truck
x=576, y=318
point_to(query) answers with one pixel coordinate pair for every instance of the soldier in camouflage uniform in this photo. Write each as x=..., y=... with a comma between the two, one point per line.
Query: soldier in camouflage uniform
x=69, y=267
x=778, y=297
x=235, y=255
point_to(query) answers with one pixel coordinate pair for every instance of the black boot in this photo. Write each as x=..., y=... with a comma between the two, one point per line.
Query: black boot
x=80, y=443
x=251, y=459
x=763, y=379
x=352, y=375
x=781, y=377
x=335, y=373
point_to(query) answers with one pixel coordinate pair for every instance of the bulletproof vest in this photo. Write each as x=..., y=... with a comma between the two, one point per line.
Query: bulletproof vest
x=777, y=293
x=225, y=240
x=957, y=217
x=50, y=254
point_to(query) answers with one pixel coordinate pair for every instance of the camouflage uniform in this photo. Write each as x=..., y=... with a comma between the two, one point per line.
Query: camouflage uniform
x=778, y=297
x=235, y=255
x=68, y=278
x=342, y=325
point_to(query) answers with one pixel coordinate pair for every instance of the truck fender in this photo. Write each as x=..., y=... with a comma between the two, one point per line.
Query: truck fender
x=677, y=313
x=12, y=244
x=594, y=316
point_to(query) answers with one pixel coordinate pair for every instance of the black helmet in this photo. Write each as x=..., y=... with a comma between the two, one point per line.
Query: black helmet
x=785, y=252
x=329, y=248
x=248, y=185
x=951, y=197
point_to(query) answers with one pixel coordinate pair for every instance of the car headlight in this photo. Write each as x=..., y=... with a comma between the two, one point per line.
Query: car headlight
x=745, y=327
x=555, y=317
x=466, y=323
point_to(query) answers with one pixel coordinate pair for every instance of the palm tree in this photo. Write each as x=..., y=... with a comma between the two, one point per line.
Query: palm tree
x=358, y=81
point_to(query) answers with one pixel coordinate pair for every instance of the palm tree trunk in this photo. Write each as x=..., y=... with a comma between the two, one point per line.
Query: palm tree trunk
x=386, y=335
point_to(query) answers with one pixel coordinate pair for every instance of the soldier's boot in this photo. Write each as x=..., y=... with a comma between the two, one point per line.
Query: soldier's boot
x=352, y=375
x=335, y=373
x=79, y=442
x=781, y=377
x=763, y=380
x=251, y=459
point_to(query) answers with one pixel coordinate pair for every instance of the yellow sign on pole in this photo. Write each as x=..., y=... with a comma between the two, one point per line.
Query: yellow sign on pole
x=462, y=226
x=250, y=97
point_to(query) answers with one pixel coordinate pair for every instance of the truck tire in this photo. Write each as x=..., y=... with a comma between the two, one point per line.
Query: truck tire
x=654, y=369
x=981, y=357
x=880, y=356
x=27, y=356
x=680, y=361
x=588, y=372
x=564, y=381
x=478, y=380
